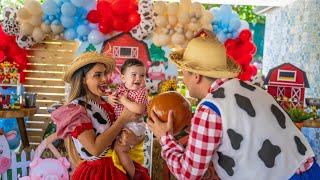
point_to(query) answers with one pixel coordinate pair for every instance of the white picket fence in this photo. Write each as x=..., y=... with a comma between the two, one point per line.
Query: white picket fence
x=23, y=165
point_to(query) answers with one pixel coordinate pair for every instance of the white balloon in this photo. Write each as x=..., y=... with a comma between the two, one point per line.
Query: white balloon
x=45, y=28
x=26, y=28
x=33, y=7
x=244, y=25
x=56, y=29
x=23, y=13
x=35, y=20
x=38, y=35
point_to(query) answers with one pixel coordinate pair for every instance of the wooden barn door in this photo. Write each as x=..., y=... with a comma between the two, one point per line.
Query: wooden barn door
x=47, y=62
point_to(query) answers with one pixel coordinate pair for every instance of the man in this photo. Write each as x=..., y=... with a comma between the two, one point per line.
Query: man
x=238, y=127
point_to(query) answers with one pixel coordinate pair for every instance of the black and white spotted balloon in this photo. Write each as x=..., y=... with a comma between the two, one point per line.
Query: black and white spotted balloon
x=145, y=8
x=10, y=12
x=24, y=41
x=11, y=27
x=147, y=25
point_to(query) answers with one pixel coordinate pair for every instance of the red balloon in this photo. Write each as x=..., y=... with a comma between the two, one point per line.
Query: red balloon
x=118, y=24
x=254, y=69
x=2, y=55
x=22, y=77
x=22, y=61
x=246, y=73
x=245, y=59
x=230, y=44
x=247, y=47
x=105, y=26
x=93, y=16
x=245, y=35
x=134, y=19
x=120, y=8
x=103, y=7
x=133, y=7
x=254, y=50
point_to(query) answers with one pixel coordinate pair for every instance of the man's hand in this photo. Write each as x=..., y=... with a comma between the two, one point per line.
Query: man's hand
x=157, y=126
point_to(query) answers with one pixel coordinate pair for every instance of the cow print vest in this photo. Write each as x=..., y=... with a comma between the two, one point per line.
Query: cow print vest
x=100, y=122
x=259, y=140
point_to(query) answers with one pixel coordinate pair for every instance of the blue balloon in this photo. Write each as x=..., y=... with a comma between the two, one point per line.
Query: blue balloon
x=93, y=26
x=90, y=5
x=225, y=8
x=83, y=30
x=52, y=17
x=68, y=9
x=70, y=34
x=79, y=3
x=215, y=27
x=235, y=34
x=96, y=37
x=67, y=22
x=49, y=7
x=235, y=24
x=57, y=1
x=56, y=22
x=222, y=37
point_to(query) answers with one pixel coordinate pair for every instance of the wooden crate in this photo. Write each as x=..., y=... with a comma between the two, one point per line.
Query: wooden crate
x=47, y=62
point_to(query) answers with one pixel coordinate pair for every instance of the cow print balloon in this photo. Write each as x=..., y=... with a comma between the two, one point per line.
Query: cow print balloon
x=138, y=34
x=10, y=12
x=147, y=26
x=145, y=8
x=24, y=41
x=11, y=27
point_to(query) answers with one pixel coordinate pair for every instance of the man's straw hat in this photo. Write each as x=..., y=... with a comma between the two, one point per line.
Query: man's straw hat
x=88, y=58
x=206, y=56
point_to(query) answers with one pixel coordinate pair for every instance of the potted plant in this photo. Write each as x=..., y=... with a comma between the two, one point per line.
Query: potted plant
x=299, y=114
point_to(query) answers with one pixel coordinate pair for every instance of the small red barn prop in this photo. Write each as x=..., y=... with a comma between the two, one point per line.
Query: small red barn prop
x=123, y=46
x=287, y=84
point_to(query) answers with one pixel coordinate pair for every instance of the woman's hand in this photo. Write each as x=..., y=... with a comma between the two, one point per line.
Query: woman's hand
x=113, y=100
x=129, y=116
x=128, y=138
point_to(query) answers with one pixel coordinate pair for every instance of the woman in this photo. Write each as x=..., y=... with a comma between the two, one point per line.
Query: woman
x=89, y=122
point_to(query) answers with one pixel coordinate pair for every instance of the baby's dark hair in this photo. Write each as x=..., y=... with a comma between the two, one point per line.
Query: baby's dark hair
x=131, y=62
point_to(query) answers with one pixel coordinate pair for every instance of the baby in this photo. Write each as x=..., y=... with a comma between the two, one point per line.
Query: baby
x=132, y=94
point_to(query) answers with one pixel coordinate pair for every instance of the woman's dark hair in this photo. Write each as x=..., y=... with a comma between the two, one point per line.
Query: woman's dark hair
x=131, y=62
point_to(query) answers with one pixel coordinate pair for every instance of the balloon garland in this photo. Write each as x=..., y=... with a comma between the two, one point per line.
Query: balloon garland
x=12, y=53
x=171, y=24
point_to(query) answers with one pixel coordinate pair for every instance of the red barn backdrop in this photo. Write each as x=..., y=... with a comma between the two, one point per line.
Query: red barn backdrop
x=287, y=84
x=123, y=46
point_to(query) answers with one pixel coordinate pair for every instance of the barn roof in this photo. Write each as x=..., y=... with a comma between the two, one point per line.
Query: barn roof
x=266, y=81
x=122, y=34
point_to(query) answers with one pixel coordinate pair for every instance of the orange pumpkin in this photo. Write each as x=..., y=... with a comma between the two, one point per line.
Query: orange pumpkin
x=171, y=100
